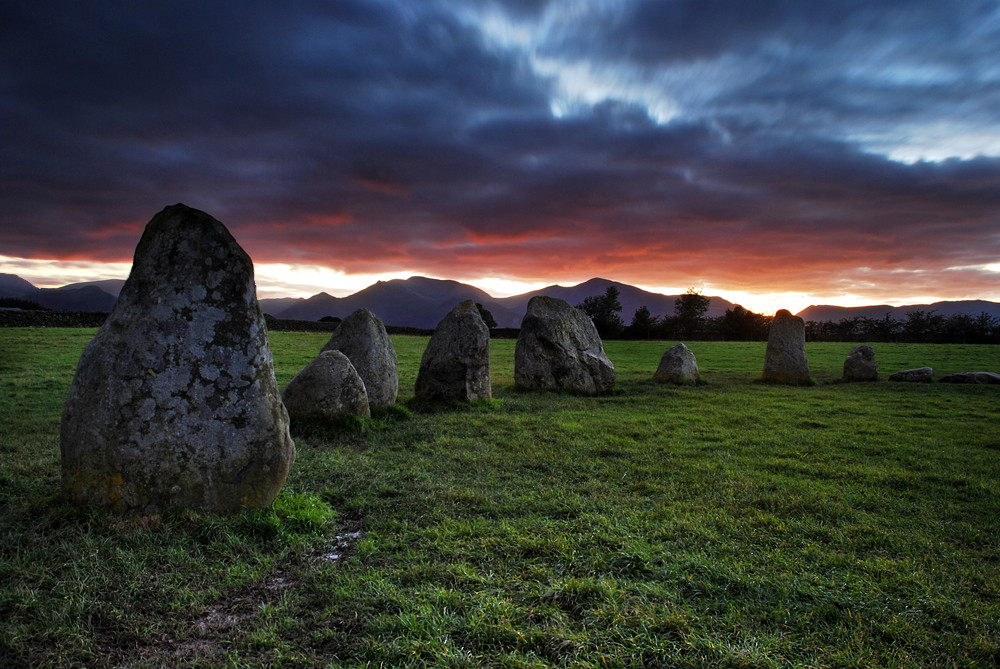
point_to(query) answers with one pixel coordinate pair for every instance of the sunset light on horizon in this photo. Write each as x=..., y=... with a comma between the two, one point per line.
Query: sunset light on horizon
x=778, y=155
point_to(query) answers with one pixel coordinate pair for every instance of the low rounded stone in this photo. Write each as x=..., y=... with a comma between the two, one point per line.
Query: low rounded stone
x=988, y=378
x=326, y=388
x=916, y=375
x=678, y=365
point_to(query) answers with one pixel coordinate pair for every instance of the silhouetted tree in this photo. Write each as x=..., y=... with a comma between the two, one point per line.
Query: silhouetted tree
x=689, y=310
x=643, y=324
x=487, y=316
x=922, y=326
x=740, y=324
x=605, y=310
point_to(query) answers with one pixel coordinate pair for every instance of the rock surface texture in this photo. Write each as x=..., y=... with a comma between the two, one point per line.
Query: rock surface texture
x=917, y=375
x=363, y=339
x=456, y=363
x=860, y=365
x=678, y=365
x=971, y=377
x=785, y=359
x=326, y=388
x=174, y=403
x=559, y=348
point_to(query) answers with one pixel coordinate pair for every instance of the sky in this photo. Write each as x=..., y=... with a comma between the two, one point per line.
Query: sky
x=777, y=153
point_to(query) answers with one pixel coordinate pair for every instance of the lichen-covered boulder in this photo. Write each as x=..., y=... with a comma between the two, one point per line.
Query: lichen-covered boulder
x=971, y=377
x=785, y=358
x=678, y=365
x=363, y=339
x=916, y=375
x=326, y=388
x=559, y=348
x=456, y=363
x=174, y=403
x=860, y=365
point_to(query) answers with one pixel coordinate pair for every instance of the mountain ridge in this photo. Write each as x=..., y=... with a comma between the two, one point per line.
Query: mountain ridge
x=422, y=302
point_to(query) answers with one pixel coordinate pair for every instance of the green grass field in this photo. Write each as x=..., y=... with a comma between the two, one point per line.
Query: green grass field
x=729, y=524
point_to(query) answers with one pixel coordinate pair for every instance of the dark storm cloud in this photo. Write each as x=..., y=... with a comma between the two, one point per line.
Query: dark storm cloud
x=388, y=136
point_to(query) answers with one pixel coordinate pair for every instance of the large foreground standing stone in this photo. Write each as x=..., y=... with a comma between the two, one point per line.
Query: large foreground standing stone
x=174, y=402
x=917, y=375
x=327, y=387
x=456, y=362
x=785, y=359
x=559, y=347
x=678, y=365
x=860, y=365
x=363, y=339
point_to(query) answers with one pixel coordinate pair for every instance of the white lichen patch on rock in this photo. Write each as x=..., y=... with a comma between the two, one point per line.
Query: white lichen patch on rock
x=174, y=402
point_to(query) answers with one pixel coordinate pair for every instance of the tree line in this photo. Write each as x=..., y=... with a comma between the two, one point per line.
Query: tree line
x=690, y=322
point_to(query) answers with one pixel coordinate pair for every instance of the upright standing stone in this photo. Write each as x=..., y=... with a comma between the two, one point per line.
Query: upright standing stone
x=859, y=365
x=174, y=403
x=678, y=365
x=363, y=339
x=456, y=362
x=326, y=388
x=785, y=358
x=559, y=348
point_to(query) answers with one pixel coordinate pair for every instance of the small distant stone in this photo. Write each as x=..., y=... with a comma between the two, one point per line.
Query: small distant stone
x=971, y=377
x=363, y=339
x=174, y=403
x=678, y=365
x=559, y=348
x=456, y=363
x=785, y=359
x=917, y=375
x=860, y=364
x=326, y=388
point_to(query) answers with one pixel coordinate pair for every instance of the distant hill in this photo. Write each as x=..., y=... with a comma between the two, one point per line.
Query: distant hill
x=630, y=297
x=87, y=298
x=11, y=285
x=110, y=286
x=950, y=308
x=415, y=302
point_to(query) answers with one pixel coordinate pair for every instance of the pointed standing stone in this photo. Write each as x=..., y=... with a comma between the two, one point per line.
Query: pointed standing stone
x=456, y=362
x=174, y=403
x=363, y=339
x=785, y=359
